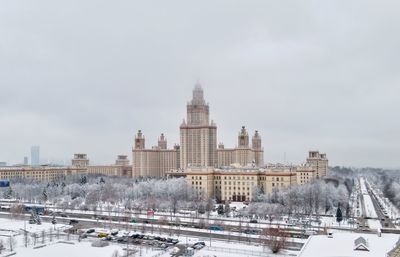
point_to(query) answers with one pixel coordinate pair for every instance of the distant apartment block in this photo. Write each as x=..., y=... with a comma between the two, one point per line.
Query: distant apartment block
x=319, y=162
x=44, y=173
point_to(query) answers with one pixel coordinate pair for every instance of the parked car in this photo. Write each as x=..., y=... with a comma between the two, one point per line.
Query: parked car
x=216, y=228
x=90, y=230
x=72, y=222
x=200, y=243
x=102, y=234
x=253, y=221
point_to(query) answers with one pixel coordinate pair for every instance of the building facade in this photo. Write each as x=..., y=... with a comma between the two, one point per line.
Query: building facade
x=243, y=154
x=198, y=145
x=198, y=136
x=319, y=162
x=120, y=168
x=80, y=160
x=44, y=173
x=239, y=183
x=153, y=162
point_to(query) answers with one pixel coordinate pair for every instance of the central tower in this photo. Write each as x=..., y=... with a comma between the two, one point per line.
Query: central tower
x=198, y=135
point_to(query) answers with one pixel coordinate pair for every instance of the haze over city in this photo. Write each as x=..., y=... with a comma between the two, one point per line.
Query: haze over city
x=307, y=75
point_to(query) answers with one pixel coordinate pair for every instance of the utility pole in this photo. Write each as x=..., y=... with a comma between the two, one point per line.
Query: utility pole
x=210, y=237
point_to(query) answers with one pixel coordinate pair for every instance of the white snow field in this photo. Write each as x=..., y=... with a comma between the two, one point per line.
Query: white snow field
x=83, y=249
x=342, y=244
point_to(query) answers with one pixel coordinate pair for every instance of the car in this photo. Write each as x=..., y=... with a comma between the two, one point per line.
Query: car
x=197, y=247
x=90, y=230
x=108, y=238
x=200, y=243
x=102, y=234
x=253, y=221
x=114, y=232
x=175, y=241
x=122, y=239
x=72, y=222
x=216, y=228
x=135, y=236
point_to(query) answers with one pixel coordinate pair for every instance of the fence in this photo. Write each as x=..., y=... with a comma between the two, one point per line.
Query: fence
x=237, y=251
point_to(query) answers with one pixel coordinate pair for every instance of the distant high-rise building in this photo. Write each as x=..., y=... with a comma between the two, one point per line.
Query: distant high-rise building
x=319, y=162
x=26, y=160
x=35, y=155
x=198, y=135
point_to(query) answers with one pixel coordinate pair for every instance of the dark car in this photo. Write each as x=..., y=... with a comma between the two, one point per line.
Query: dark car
x=122, y=239
x=72, y=222
x=135, y=236
x=253, y=221
x=89, y=231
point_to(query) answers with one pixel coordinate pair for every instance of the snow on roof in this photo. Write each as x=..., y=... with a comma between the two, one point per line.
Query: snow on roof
x=361, y=244
x=343, y=244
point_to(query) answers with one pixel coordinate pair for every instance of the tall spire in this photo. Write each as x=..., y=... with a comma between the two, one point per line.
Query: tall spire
x=198, y=95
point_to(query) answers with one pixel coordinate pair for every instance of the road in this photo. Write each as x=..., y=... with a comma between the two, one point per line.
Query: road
x=203, y=234
x=385, y=221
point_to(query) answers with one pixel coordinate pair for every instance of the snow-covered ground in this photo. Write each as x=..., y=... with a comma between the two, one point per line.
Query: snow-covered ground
x=342, y=244
x=58, y=247
x=83, y=249
x=17, y=225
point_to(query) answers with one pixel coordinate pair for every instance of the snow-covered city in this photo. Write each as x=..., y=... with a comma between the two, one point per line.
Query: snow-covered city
x=199, y=128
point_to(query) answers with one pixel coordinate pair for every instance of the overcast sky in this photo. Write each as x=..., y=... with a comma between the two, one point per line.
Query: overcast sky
x=84, y=76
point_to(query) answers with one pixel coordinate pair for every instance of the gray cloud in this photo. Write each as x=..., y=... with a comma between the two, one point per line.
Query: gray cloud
x=83, y=76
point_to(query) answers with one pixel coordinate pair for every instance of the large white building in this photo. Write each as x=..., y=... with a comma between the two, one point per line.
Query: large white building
x=198, y=145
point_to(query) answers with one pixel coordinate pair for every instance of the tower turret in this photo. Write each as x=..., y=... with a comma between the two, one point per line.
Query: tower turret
x=243, y=138
x=139, y=140
x=162, y=142
x=256, y=141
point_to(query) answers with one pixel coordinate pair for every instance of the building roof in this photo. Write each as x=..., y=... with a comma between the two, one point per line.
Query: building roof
x=395, y=252
x=342, y=244
x=361, y=244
